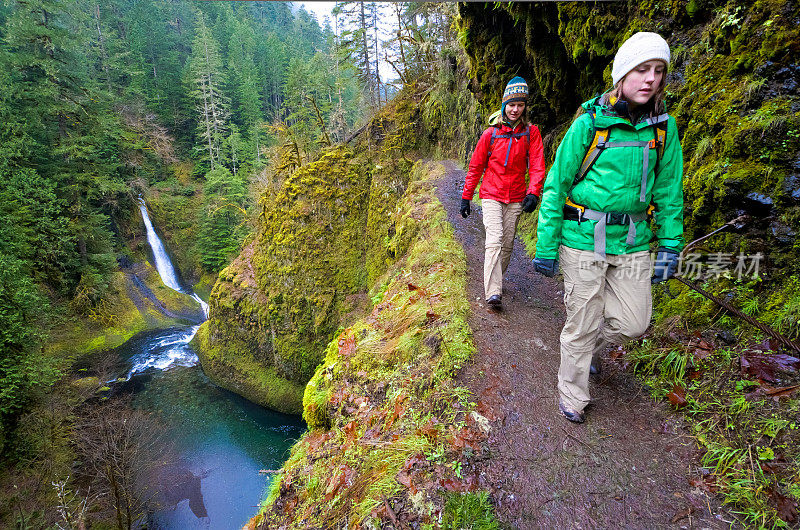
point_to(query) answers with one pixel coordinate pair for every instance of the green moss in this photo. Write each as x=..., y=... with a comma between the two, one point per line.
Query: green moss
x=384, y=377
x=112, y=324
x=468, y=511
x=242, y=374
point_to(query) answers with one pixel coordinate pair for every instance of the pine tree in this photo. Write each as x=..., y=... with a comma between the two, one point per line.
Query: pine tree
x=244, y=80
x=358, y=44
x=207, y=83
x=224, y=212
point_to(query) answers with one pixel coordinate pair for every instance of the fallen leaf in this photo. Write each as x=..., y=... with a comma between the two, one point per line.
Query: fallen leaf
x=616, y=353
x=773, y=467
x=677, y=397
x=350, y=431
x=347, y=345
x=696, y=374
x=786, y=507
x=766, y=366
x=403, y=478
x=775, y=393
x=430, y=428
x=706, y=483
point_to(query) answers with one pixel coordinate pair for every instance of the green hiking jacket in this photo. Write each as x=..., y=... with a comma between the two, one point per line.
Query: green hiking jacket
x=612, y=184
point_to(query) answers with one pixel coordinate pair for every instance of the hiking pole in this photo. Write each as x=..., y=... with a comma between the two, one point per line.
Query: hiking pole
x=739, y=221
x=747, y=318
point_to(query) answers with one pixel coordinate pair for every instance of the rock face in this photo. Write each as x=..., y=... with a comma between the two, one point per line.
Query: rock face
x=732, y=87
x=276, y=306
x=322, y=237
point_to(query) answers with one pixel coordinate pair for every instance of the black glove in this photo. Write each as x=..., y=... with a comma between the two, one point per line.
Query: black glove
x=548, y=267
x=529, y=203
x=665, y=266
x=464, y=208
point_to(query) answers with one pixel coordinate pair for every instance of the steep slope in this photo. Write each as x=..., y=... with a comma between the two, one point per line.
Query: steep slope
x=322, y=237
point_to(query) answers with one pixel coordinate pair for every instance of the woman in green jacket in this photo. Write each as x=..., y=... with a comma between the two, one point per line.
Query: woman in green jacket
x=619, y=166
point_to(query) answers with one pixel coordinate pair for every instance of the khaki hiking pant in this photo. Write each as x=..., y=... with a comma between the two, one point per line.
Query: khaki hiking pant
x=500, y=222
x=608, y=302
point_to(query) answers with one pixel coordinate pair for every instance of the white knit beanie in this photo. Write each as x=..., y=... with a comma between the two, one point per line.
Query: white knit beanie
x=639, y=48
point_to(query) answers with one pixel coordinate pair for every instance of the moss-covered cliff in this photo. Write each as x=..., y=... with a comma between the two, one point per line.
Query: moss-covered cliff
x=385, y=412
x=323, y=237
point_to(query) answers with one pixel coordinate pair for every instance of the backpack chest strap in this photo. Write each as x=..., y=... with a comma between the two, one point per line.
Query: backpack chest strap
x=604, y=219
x=510, y=136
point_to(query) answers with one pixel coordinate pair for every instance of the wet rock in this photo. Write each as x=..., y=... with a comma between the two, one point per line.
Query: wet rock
x=758, y=203
x=782, y=79
x=784, y=234
x=791, y=185
x=727, y=337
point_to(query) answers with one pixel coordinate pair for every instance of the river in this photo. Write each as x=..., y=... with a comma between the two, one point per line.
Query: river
x=222, y=441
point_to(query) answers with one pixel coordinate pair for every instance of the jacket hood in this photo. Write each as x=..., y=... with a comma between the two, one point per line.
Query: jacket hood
x=496, y=120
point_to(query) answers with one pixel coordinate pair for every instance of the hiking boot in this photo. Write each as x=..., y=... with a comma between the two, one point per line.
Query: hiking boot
x=495, y=301
x=571, y=414
x=594, y=367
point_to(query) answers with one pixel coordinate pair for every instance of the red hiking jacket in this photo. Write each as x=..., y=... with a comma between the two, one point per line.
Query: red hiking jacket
x=504, y=172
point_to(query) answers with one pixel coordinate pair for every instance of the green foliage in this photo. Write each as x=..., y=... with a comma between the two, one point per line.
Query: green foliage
x=222, y=224
x=468, y=511
x=391, y=371
x=23, y=368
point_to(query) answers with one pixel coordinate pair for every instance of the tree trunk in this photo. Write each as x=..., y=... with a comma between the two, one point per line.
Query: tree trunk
x=365, y=51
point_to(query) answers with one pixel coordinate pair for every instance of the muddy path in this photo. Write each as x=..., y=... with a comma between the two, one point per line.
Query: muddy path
x=627, y=466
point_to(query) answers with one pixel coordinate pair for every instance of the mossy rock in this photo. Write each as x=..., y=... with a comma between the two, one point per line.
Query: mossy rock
x=243, y=375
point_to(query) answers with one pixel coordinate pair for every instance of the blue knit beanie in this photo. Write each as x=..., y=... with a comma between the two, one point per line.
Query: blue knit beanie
x=516, y=90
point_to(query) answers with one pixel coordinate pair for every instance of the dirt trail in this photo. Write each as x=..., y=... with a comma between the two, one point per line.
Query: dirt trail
x=627, y=466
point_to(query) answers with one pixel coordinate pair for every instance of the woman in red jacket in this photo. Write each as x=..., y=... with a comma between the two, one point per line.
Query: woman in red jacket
x=506, y=151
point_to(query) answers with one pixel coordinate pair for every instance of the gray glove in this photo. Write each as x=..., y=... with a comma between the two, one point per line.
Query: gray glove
x=665, y=266
x=548, y=267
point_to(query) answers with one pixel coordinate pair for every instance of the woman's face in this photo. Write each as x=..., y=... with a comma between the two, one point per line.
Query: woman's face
x=514, y=110
x=641, y=83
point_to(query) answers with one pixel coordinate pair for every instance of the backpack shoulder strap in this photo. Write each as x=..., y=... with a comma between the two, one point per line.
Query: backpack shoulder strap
x=599, y=139
x=661, y=138
x=491, y=141
x=528, y=149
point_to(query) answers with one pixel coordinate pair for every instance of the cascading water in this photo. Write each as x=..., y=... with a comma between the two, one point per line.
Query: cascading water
x=222, y=441
x=163, y=263
x=172, y=348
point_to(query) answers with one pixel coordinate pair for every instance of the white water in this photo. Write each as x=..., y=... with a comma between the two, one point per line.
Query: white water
x=202, y=304
x=163, y=263
x=172, y=347
x=166, y=350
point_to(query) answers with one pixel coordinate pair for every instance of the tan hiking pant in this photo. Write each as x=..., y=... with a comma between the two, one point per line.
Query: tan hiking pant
x=608, y=302
x=500, y=222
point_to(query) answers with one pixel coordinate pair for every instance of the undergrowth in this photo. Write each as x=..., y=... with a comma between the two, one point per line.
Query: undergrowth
x=740, y=398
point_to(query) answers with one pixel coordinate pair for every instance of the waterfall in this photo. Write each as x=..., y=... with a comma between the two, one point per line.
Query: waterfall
x=163, y=263
x=166, y=348
x=202, y=303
